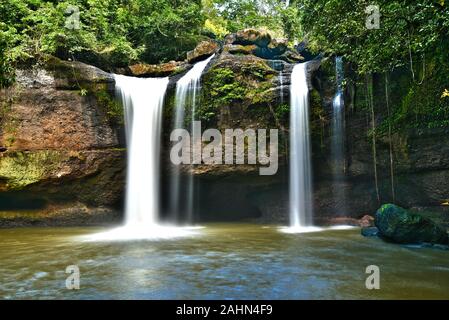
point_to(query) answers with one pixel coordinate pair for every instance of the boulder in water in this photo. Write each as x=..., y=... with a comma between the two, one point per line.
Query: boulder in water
x=401, y=226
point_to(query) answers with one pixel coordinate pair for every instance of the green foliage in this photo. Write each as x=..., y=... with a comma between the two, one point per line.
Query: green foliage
x=243, y=87
x=113, y=109
x=422, y=107
x=282, y=112
x=6, y=70
x=115, y=31
x=406, y=27
x=226, y=16
x=412, y=37
x=226, y=88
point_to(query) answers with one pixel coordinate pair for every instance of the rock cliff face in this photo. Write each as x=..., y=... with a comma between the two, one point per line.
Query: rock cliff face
x=59, y=142
x=62, y=156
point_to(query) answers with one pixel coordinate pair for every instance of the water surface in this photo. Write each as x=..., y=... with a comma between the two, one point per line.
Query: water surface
x=225, y=261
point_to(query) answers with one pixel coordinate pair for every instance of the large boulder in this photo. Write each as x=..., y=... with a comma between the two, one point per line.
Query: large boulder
x=64, y=75
x=401, y=226
x=157, y=70
x=202, y=51
x=260, y=44
x=260, y=38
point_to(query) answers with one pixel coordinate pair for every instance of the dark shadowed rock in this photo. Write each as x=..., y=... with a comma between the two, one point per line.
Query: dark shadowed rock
x=370, y=232
x=399, y=225
x=278, y=46
x=291, y=56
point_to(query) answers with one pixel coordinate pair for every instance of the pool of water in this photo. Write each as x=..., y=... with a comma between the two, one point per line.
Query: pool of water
x=223, y=261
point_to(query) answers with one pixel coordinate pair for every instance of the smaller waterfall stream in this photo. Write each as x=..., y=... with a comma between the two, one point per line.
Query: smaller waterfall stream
x=281, y=86
x=338, y=139
x=187, y=93
x=337, y=127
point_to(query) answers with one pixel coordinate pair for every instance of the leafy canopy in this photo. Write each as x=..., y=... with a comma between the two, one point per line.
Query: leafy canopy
x=119, y=31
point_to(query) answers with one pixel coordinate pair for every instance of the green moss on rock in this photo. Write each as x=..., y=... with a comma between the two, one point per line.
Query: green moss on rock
x=20, y=169
x=237, y=86
x=110, y=105
x=399, y=225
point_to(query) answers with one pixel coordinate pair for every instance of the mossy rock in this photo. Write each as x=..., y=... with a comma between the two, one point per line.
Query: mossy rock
x=237, y=88
x=73, y=75
x=401, y=226
x=20, y=169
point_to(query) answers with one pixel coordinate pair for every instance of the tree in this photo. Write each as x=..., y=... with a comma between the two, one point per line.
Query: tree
x=407, y=28
x=233, y=15
x=114, y=32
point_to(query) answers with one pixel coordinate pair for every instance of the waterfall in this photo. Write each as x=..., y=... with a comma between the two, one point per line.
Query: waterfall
x=142, y=100
x=301, y=191
x=281, y=86
x=187, y=93
x=300, y=151
x=337, y=127
x=338, y=134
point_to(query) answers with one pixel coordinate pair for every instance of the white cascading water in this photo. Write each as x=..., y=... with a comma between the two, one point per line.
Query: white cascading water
x=187, y=92
x=281, y=86
x=338, y=141
x=300, y=153
x=337, y=127
x=301, y=191
x=142, y=101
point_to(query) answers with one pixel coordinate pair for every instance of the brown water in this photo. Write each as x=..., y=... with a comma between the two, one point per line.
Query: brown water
x=226, y=261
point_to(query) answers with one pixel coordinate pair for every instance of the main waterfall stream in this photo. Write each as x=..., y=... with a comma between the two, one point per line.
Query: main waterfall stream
x=301, y=205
